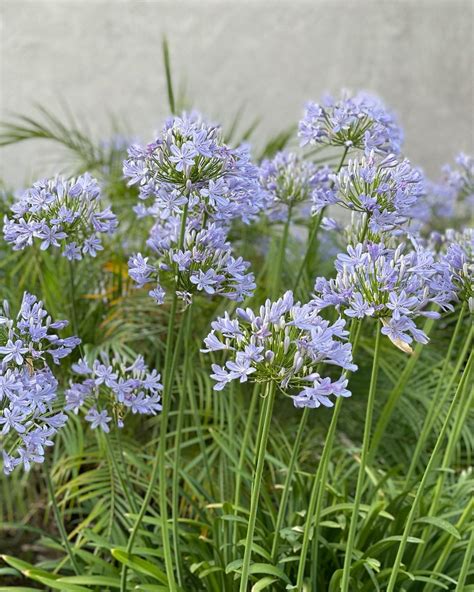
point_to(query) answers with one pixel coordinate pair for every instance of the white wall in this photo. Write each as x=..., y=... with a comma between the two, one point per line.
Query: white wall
x=272, y=56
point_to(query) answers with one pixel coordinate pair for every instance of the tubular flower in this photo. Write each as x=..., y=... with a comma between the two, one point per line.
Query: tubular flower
x=288, y=181
x=457, y=258
x=61, y=213
x=108, y=390
x=189, y=163
x=204, y=264
x=452, y=197
x=360, y=121
x=376, y=281
x=385, y=191
x=28, y=387
x=286, y=343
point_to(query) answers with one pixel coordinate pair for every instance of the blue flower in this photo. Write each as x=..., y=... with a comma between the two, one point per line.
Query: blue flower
x=359, y=121
x=284, y=342
x=61, y=213
x=28, y=388
x=109, y=389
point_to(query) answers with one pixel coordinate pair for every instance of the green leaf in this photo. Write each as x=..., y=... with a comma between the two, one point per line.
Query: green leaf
x=442, y=524
x=54, y=582
x=24, y=566
x=92, y=580
x=17, y=589
x=139, y=564
x=271, y=570
x=263, y=583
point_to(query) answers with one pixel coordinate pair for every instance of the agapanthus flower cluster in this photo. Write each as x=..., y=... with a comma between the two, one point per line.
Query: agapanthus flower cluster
x=110, y=389
x=360, y=121
x=190, y=164
x=288, y=181
x=457, y=256
x=28, y=387
x=385, y=191
x=452, y=197
x=204, y=264
x=61, y=213
x=394, y=286
x=287, y=343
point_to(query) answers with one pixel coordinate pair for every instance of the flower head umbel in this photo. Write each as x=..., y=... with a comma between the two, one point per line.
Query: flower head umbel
x=288, y=181
x=189, y=163
x=384, y=191
x=205, y=264
x=457, y=257
x=61, y=213
x=360, y=121
x=286, y=343
x=387, y=284
x=108, y=390
x=452, y=198
x=28, y=387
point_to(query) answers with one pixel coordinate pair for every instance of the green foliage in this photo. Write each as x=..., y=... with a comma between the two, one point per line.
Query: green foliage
x=100, y=482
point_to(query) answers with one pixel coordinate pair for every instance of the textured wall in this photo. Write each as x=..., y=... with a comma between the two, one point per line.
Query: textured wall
x=270, y=56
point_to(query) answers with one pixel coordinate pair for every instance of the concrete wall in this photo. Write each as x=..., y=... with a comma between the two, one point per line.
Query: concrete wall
x=271, y=56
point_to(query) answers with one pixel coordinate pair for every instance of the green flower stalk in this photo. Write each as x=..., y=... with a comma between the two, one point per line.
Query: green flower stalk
x=427, y=473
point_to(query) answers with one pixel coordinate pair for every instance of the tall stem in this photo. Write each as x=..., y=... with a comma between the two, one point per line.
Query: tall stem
x=121, y=471
x=159, y=467
x=436, y=402
x=179, y=428
x=59, y=520
x=421, y=487
x=317, y=491
x=453, y=439
x=287, y=485
x=264, y=428
x=466, y=564
x=362, y=466
x=281, y=254
x=313, y=233
x=396, y=393
x=243, y=453
x=72, y=288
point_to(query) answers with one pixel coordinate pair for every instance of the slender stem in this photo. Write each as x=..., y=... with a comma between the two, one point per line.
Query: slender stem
x=159, y=463
x=466, y=564
x=243, y=454
x=421, y=487
x=278, y=268
x=396, y=393
x=163, y=499
x=362, y=466
x=317, y=491
x=287, y=485
x=59, y=520
x=447, y=546
x=453, y=439
x=354, y=336
x=313, y=233
x=72, y=288
x=438, y=403
x=264, y=428
x=125, y=488
x=314, y=494
x=178, y=437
